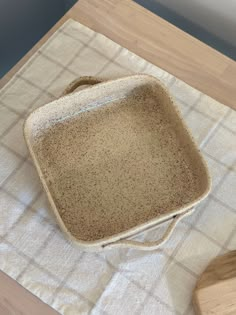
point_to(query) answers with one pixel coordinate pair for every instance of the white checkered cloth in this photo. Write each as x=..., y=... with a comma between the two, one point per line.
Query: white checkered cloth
x=121, y=281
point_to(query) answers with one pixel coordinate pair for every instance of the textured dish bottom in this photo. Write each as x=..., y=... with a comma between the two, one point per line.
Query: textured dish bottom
x=115, y=167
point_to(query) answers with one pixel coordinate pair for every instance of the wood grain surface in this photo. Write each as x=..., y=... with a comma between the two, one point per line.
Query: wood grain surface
x=15, y=300
x=215, y=292
x=156, y=40
x=159, y=42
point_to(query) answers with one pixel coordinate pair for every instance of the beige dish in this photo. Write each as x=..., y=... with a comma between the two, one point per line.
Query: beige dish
x=115, y=159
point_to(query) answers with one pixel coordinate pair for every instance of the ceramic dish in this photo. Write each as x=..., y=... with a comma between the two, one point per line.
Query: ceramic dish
x=115, y=159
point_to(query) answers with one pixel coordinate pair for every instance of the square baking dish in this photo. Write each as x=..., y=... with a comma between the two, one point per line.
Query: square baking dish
x=115, y=159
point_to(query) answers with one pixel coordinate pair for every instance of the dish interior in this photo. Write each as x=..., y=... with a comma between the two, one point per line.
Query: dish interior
x=118, y=165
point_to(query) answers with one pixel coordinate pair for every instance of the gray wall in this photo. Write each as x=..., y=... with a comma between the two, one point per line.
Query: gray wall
x=23, y=23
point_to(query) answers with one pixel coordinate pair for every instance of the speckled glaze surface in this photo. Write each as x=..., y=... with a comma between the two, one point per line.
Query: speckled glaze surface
x=115, y=159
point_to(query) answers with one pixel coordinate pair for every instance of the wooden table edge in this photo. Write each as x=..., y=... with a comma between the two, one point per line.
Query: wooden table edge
x=78, y=12
x=15, y=299
x=187, y=58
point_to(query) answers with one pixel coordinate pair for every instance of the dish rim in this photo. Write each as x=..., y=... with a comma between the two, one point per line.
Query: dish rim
x=139, y=227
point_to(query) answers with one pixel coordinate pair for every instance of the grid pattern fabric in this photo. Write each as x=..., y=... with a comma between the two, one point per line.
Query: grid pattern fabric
x=34, y=251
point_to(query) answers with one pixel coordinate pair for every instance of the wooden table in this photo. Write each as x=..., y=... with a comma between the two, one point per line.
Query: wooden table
x=157, y=41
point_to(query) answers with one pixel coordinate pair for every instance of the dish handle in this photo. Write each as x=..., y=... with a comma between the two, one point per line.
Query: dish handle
x=152, y=245
x=85, y=80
